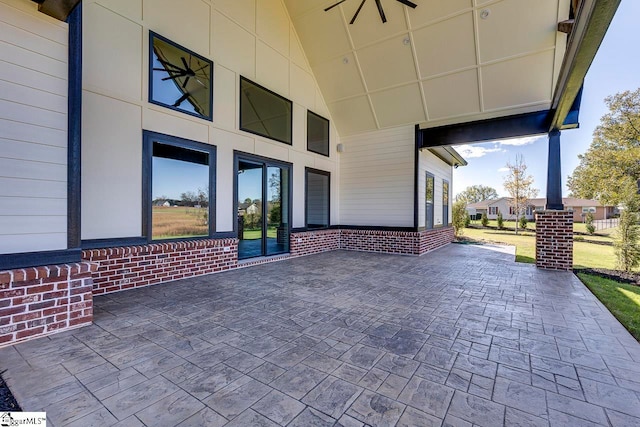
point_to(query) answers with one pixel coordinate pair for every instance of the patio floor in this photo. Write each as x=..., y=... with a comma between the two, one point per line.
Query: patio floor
x=461, y=336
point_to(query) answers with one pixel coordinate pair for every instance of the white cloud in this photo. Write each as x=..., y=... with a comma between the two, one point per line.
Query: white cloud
x=475, y=151
x=520, y=141
x=504, y=169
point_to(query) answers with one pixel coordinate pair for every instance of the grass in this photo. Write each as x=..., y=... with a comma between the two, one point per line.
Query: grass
x=178, y=222
x=621, y=299
x=257, y=234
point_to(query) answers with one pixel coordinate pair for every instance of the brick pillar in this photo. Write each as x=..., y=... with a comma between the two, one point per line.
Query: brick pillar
x=554, y=240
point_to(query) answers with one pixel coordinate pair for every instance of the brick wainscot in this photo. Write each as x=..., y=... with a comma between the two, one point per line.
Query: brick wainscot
x=39, y=301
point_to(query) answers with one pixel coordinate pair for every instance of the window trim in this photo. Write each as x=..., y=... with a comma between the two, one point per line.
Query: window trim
x=148, y=138
x=272, y=93
x=445, y=207
x=307, y=171
x=309, y=112
x=152, y=36
x=428, y=226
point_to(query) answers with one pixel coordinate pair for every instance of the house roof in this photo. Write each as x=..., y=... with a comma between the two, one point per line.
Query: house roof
x=485, y=203
x=567, y=201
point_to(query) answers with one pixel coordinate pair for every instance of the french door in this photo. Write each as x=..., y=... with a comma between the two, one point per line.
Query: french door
x=263, y=203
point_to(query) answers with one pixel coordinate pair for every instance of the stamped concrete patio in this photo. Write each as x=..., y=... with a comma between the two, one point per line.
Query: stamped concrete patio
x=460, y=336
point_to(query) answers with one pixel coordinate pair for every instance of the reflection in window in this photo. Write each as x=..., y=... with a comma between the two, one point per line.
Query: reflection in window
x=179, y=192
x=180, y=79
x=265, y=113
x=317, y=198
x=445, y=203
x=429, y=201
x=317, y=134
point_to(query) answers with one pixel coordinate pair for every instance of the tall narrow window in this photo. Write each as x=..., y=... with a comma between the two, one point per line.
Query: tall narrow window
x=445, y=203
x=178, y=188
x=429, y=201
x=265, y=113
x=317, y=134
x=317, y=198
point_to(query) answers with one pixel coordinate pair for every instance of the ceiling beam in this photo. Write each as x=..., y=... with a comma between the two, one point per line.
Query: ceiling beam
x=592, y=19
x=59, y=9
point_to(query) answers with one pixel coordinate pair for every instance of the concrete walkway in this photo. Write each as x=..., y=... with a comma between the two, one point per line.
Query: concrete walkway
x=457, y=337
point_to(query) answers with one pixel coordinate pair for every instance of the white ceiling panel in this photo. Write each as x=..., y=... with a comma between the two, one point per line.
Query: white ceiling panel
x=453, y=95
x=504, y=33
x=446, y=46
x=432, y=10
x=390, y=113
x=371, y=77
x=339, y=78
x=518, y=82
x=353, y=115
x=387, y=63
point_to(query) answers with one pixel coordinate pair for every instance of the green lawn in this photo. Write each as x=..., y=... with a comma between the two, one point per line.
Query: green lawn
x=621, y=299
x=257, y=234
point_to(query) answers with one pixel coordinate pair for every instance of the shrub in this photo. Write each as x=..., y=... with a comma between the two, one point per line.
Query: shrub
x=459, y=213
x=467, y=221
x=627, y=239
x=484, y=220
x=523, y=222
x=588, y=220
x=500, y=221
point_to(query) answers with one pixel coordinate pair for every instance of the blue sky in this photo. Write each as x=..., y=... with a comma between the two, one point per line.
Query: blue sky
x=616, y=68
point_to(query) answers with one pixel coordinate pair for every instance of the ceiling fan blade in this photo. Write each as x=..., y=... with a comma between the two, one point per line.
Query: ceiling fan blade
x=168, y=64
x=174, y=77
x=355, y=16
x=334, y=5
x=181, y=99
x=184, y=85
x=381, y=11
x=184, y=61
x=408, y=3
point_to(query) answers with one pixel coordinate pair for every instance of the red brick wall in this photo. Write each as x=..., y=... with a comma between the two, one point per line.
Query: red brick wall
x=135, y=266
x=390, y=242
x=313, y=242
x=554, y=240
x=39, y=301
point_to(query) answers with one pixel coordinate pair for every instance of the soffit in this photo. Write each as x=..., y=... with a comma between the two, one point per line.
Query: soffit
x=440, y=63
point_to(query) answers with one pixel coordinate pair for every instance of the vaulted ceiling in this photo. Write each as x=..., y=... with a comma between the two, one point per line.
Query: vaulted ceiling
x=442, y=62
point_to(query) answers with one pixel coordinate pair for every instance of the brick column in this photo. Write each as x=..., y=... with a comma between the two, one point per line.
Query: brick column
x=554, y=240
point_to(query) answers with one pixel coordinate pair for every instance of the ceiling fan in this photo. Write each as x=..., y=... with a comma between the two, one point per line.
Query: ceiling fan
x=378, y=3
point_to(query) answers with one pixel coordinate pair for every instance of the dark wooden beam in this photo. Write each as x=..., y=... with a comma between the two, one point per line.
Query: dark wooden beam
x=486, y=130
x=566, y=26
x=554, y=174
x=59, y=9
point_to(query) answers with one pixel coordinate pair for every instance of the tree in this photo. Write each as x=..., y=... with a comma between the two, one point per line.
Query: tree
x=588, y=221
x=519, y=185
x=477, y=193
x=484, y=220
x=459, y=213
x=500, y=221
x=614, y=154
x=627, y=238
x=523, y=222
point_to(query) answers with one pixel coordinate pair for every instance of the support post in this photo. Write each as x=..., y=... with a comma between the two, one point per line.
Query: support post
x=554, y=174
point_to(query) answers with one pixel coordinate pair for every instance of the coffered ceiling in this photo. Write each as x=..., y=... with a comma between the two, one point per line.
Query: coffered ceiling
x=444, y=62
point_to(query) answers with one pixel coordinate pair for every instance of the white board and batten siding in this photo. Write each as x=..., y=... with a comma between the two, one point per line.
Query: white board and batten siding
x=428, y=162
x=252, y=38
x=33, y=129
x=377, y=178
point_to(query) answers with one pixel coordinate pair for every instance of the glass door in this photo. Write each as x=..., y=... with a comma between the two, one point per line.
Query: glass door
x=263, y=194
x=250, y=230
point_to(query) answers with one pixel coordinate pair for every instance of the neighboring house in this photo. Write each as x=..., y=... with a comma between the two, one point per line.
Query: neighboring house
x=579, y=207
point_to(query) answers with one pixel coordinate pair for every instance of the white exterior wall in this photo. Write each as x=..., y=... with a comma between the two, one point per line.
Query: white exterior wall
x=428, y=162
x=376, y=178
x=253, y=38
x=33, y=129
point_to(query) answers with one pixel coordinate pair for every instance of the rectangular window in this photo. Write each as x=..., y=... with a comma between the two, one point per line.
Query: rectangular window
x=445, y=202
x=430, y=186
x=493, y=210
x=179, y=184
x=179, y=79
x=265, y=113
x=589, y=209
x=317, y=198
x=317, y=134
x=512, y=210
